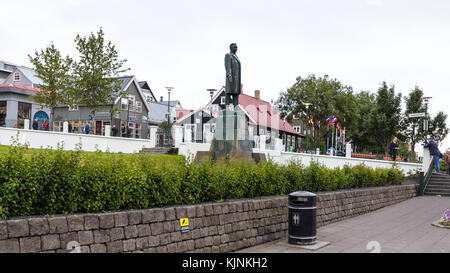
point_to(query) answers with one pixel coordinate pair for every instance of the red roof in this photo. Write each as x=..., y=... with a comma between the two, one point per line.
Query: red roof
x=19, y=86
x=261, y=112
x=180, y=113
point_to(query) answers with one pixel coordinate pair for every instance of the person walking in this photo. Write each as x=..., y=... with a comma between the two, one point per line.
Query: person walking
x=393, y=147
x=447, y=160
x=434, y=152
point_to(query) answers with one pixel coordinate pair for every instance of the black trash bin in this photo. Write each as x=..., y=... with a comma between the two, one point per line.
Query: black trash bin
x=302, y=218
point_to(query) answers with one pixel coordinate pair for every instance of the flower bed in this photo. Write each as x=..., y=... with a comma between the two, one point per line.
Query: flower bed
x=445, y=220
x=364, y=156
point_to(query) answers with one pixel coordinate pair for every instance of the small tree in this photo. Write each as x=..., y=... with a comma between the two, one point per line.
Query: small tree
x=438, y=127
x=412, y=126
x=94, y=74
x=53, y=70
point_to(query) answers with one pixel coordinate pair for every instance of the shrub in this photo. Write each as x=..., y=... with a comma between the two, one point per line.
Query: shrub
x=61, y=182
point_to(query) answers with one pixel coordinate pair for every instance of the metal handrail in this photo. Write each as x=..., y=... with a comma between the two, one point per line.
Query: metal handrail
x=425, y=177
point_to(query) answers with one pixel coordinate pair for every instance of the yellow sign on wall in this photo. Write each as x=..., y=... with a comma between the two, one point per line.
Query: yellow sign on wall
x=184, y=222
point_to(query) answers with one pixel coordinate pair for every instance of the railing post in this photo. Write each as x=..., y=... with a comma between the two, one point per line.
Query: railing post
x=421, y=184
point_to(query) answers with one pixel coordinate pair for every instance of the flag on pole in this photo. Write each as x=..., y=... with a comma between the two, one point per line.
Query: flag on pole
x=331, y=120
x=339, y=127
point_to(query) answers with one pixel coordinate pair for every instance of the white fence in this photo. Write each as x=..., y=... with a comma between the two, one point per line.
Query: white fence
x=90, y=143
x=190, y=150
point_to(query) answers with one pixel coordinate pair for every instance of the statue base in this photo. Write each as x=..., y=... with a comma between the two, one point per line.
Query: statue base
x=231, y=139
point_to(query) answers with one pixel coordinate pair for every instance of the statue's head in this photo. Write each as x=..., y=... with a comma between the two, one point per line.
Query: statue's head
x=233, y=47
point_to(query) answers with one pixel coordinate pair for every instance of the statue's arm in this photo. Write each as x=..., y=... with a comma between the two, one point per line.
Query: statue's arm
x=228, y=67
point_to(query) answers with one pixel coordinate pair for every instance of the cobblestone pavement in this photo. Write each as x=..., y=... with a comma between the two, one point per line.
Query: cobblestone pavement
x=401, y=228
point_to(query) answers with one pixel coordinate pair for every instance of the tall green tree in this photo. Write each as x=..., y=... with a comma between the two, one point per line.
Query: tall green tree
x=413, y=127
x=385, y=118
x=95, y=82
x=54, y=71
x=316, y=98
x=438, y=127
x=360, y=133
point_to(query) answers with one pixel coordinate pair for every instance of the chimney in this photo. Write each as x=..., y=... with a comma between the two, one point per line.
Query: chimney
x=161, y=99
x=257, y=94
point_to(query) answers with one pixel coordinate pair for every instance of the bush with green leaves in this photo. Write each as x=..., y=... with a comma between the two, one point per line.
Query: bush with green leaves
x=49, y=182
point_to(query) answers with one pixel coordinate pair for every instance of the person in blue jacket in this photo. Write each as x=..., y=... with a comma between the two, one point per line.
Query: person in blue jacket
x=86, y=129
x=434, y=152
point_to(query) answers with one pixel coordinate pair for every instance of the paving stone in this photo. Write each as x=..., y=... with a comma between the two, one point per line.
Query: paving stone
x=98, y=248
x=58, y=225
x=130, y=232
x=18, y=228
x=106, y=221
x=9, y=246
x=116, y=234
x=85, y=237
x=50, y=242
x=169, y=214
x=30, y=244
x=114, y=247
x=3, y=230
x=101, y=236
x=91, y=222
x=134, y=217
x=66, y=238
x=157, y=228
x=129, y=245
x=121, y=219
x=38, y=226
x=143, y=230
x=75, y=222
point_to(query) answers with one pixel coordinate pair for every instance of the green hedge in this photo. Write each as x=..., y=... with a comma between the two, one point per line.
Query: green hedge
x=47, y=182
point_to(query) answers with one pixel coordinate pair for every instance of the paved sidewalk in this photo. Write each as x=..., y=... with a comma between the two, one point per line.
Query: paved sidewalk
x=400, y=228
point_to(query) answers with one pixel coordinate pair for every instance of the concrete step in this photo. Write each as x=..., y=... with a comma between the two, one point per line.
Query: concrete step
x=437, y=193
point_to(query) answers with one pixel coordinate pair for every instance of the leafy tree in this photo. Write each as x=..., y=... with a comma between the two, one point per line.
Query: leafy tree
x=53, y=70
x=323, y=94
x=94, y=74
x=360, y=132
x=385, y=118
x=438, y=127
x=413, y=127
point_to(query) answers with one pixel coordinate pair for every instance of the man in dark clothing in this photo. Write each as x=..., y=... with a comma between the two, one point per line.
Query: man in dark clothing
x=114, y=130
x=434, y=152
x=35, y=124
x=393, y=147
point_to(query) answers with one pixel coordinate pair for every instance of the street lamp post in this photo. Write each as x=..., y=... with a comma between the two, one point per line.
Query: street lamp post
x=169, y=89
x=307, y=104
x=211, y=93
x=426, y=101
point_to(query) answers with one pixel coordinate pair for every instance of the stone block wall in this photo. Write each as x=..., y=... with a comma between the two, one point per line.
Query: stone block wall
x=214, y=227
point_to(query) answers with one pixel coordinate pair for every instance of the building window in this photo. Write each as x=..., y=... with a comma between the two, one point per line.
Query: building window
x=2, y=113
x=124, y=104
x=16, y=76
x=24, y=112
x=222, y=100
x=139, y=106
x=58, y=126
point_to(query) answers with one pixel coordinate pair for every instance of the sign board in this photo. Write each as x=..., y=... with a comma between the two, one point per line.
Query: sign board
x=184, y=223
x=90, y=117
x=417, y=115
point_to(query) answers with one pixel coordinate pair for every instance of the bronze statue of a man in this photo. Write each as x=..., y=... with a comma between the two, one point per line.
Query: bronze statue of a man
x=233, y=80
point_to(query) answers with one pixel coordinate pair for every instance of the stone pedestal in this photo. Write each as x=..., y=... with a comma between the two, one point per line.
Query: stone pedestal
x=231, y=138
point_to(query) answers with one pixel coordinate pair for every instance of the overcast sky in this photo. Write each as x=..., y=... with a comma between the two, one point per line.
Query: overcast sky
x=183, y=43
